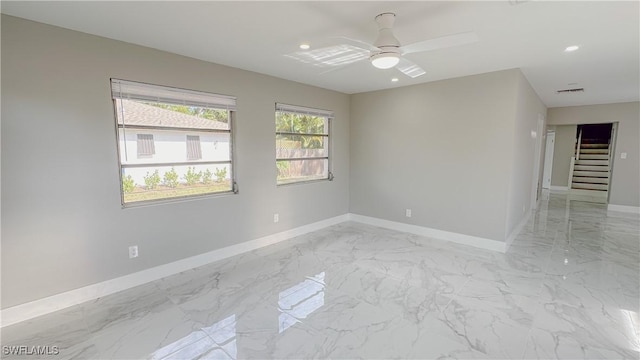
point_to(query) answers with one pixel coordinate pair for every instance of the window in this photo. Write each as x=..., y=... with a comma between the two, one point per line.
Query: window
x=302, y=144
x=194, y=152
x=145, y=144
x=155, y=125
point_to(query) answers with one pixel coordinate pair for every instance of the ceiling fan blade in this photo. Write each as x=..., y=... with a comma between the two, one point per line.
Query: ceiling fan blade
x=410, y=68
x=441, y=42
x=341, y=67
x=358, y=43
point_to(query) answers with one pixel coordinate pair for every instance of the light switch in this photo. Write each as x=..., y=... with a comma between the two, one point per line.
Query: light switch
x=623, y=155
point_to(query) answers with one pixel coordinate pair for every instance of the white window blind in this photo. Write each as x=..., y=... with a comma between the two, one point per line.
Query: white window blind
x=294, y=109
x=122, y=89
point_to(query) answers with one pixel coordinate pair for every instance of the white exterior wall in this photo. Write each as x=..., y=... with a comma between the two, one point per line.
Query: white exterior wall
x=171, y=146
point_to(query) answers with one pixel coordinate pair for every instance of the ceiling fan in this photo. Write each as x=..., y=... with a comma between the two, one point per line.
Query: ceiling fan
x=387, y=52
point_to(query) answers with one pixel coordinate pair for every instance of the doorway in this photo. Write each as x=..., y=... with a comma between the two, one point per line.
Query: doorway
x=590, y=173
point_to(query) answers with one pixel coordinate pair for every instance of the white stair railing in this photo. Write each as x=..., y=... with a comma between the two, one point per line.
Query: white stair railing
x=574, y=158
x=578, y=145
x=573, y=164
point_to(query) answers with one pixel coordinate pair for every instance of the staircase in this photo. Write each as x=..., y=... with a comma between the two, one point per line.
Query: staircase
x=590, y=181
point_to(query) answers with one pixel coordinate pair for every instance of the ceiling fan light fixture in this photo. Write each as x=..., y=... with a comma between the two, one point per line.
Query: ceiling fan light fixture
x=385, y=60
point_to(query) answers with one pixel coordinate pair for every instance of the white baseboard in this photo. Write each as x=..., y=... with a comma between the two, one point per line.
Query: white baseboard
x=70, y=298
x=64, y=300
x=475, y=241
x=624, y=208
x=518, y=229
x=559, y=188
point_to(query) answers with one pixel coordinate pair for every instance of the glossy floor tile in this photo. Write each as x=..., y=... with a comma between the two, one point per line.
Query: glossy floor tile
x=566, y=289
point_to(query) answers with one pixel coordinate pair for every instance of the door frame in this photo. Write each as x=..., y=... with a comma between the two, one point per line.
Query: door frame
x=537, y=158
x=548, y=159
x=612, y=155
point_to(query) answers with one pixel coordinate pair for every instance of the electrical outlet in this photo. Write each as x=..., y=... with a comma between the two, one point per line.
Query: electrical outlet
x=407, y=213
x=623, y=155
x=276, y=218
x=133, y=251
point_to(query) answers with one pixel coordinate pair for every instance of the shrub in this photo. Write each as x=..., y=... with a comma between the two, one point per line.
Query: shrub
x=207, y=176
x=152, y=181
x=192, y=177
x=128, y=185
x=171, y=178
x=283, y=169
x=221, y=174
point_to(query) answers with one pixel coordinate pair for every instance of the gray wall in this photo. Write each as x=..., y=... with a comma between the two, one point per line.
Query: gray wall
x=625, y=179
x=529, y=108
x=62, y=223
x=442, y=149
x=563, y=150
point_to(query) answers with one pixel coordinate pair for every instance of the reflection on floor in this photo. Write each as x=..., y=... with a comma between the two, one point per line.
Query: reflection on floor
x=567, y=288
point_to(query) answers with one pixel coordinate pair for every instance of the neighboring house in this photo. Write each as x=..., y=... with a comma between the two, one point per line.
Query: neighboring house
x=164, y=139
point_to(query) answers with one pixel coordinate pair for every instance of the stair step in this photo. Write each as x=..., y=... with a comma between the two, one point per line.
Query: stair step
x=593, y=157
x=594, y=151
x=600, y=187
x=590, y=180
x=594, y=146
x=600, y=174
x=595, y=141
x=588, y=195
x=593, y=162
x=591, y=168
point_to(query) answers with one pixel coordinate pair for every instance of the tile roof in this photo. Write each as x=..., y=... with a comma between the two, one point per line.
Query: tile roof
x=136, y=113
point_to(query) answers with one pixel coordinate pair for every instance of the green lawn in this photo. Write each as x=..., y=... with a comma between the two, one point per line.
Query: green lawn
x=163, y=192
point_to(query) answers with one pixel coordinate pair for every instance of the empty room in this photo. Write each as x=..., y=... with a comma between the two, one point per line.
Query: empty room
x=320, y=179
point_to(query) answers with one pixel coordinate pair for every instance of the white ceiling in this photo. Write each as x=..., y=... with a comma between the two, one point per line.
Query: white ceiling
x=256, y=36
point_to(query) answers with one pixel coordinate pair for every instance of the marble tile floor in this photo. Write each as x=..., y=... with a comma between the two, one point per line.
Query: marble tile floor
x=566, y=289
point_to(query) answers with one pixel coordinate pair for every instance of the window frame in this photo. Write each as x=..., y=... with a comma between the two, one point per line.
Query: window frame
x=231, y=110
x=302, y=110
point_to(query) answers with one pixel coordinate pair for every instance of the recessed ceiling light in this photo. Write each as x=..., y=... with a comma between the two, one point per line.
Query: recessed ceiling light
x=305, y=46
x=572, y=48
x=394, y=79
